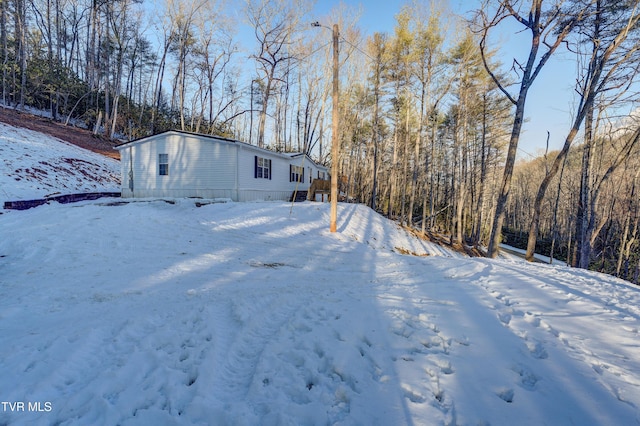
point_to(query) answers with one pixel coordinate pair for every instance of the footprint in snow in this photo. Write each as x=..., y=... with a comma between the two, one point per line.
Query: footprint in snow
x=413, y=396
x=528, y=379
x=504, y=318
x=445, y=366
x=537, y=350
x=506, y=394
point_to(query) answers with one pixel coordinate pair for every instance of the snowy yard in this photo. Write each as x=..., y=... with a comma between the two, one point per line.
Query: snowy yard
x=157, y=313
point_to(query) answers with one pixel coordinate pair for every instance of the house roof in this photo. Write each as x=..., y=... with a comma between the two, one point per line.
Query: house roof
x=200, y=135
x=290, y=155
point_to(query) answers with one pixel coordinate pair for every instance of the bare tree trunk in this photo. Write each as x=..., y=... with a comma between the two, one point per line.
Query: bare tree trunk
x=622, y=253
x=432, y=177
x=627, y=241
x=459, y=211
x=503, y=195
x=416, y=155
x=21, y=49
x=262, y=119
x=405, y=168
x=555, y=214
x=374, y=137
x=393, y=175
x=157, y=93
x=582, y=223
x=483, y=174
x=5, y=49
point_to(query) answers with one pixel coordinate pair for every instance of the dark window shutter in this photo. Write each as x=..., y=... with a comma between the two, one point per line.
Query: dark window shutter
x=270, y=170
x=255, y=166
x=290, y=173
x=302, y=176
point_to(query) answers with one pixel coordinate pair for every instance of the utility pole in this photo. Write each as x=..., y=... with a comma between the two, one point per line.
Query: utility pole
x=334, y=134
x=335, y=140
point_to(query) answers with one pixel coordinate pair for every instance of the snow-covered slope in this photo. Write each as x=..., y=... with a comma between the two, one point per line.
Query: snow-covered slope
x=169, y=314
x=34, y=165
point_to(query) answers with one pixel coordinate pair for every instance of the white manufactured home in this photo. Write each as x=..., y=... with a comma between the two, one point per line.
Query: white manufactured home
x=180, y=164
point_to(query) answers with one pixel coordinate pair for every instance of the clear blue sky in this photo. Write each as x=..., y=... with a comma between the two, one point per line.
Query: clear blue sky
x=551, y=98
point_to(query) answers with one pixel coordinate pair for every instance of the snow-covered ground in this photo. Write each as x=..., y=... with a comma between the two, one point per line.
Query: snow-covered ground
x=34, y=165
x=157, y=313
x=522, y=252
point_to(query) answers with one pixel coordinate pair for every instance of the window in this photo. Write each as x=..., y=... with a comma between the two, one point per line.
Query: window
x=296, y=174
x=163, y=164
x=262, y=168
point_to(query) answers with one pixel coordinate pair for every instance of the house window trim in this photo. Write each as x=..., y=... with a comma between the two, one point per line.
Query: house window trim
x=262, y=168
x=296, y=173
x=163, y=164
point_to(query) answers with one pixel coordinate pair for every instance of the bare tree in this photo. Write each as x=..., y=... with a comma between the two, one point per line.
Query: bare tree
x=548, y=29
x=213, y=53
x=588, y=229
x=428, y=63
x=606, y=29
x=275, y=24
x=183, y=15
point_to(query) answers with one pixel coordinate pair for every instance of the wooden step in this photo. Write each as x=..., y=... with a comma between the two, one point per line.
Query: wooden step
x=299, y=196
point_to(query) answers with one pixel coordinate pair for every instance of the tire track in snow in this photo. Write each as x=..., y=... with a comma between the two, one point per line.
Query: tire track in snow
x=259, y=320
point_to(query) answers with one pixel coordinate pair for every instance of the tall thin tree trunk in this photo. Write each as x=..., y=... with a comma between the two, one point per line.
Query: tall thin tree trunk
x=416, y=159
x=405, y=170
x=503, y=194
x=262, y=119
x=582, y=223
x=21, y=49
x=483, y=174
x=5, y=48
x=627, y=242
x=555, y=212
x=374, y=186
x=432, y=177
x=393, y=174
x=157, y=93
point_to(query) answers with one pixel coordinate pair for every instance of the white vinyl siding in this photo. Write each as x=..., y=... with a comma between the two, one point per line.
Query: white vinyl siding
x=195, y=167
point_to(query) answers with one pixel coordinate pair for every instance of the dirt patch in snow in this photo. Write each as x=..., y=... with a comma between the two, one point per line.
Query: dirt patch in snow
x=76, y=136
